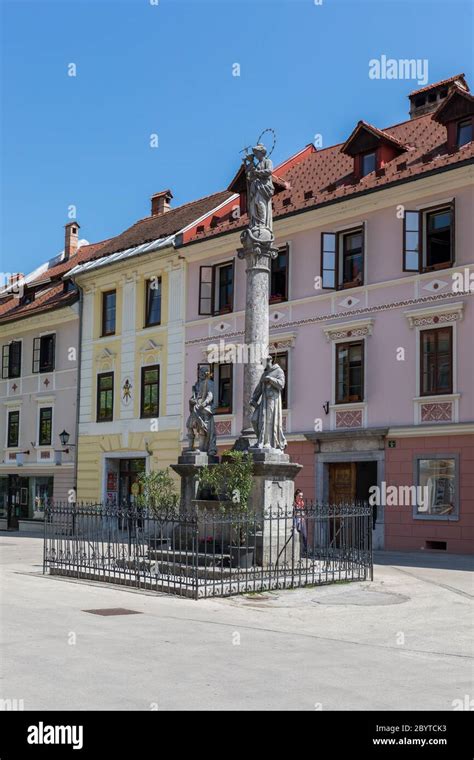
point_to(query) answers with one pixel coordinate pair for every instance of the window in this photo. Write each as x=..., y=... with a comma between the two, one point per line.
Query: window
x=150, y=391
x=368, y=163
x=279, y=276
x=436, y=355
x=342, y=259
x=45, y=426
x=464, y=132
x=223, y=388
x=105, y=397
x=428, y=239
x=108, y=312
x=43, y=353
x=216, y=289
x=437, y=476
x=282, y=360
x=11, y=360
x=153, y=302
x=349, y=372
x=13, y=433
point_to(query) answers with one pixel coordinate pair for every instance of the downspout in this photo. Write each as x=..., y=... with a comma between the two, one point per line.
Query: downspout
x=78, y=395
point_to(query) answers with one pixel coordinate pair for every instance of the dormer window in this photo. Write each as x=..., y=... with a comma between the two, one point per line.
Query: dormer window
x=456, y=113
x=368, y=163
x=464, y=132
x=371, y=149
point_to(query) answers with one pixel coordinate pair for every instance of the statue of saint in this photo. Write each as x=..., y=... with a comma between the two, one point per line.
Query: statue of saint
x=200, y=423
x=259, y=170
x=267, y=417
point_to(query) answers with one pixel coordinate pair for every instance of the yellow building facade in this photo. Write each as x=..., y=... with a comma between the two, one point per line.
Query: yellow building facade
x=131, y=371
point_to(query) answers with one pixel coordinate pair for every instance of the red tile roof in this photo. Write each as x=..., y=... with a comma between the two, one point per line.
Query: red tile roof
x=328, y=174
x=50, y=293
x=442, y=82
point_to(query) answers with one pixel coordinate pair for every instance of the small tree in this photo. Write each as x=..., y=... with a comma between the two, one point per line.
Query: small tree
x=158, y=491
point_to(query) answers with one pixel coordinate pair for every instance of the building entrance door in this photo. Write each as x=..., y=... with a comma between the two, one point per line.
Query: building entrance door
x=342, y=482
x=129, y=472
x=18, y=500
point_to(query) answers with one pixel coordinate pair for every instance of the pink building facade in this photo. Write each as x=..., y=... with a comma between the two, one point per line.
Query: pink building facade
x=371, y=316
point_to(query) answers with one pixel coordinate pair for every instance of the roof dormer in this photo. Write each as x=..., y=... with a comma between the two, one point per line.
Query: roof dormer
x=429, y=98
x=456, y=113
x=371, y=149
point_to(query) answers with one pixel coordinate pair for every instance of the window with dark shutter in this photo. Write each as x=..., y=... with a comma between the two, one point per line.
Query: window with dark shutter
x=14, y=360
x=411, y=241
x=46, y=353
x=328, y=259
x=109, y=300
x=206, y=289
x=36, y=354
x=5, y=361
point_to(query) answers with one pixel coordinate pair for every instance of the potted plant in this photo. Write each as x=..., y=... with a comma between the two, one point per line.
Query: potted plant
x=231, y=482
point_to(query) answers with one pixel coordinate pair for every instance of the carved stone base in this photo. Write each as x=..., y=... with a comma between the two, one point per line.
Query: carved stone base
x=190, y=463
x=273, y=494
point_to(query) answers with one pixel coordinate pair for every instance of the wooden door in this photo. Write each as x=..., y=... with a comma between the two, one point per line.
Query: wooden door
x=342, y=482
x=342, y=489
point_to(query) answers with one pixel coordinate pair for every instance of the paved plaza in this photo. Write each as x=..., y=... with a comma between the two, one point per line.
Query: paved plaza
x=402, y=642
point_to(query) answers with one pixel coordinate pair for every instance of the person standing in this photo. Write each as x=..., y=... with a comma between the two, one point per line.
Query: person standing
x=299, y=517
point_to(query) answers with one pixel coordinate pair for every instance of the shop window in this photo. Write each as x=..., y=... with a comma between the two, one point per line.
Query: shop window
x=438, y=479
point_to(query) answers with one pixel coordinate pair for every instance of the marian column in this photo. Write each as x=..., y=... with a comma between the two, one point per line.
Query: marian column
x=257, y=249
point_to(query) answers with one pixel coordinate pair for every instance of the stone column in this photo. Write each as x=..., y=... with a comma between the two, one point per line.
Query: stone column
x=258, y=259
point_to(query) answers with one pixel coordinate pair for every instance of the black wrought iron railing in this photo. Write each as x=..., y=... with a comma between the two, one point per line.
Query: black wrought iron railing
x=212, y=552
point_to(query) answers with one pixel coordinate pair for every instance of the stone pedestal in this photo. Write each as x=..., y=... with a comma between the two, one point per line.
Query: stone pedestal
x=273, y=495
x=189, y=465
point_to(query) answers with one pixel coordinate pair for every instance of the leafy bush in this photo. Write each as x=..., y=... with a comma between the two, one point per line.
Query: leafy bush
x=158, y=491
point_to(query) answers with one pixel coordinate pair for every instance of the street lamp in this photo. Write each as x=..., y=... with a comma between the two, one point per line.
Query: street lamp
x=64, y=438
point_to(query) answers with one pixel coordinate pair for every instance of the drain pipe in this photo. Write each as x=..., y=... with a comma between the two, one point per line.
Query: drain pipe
x=78, y=394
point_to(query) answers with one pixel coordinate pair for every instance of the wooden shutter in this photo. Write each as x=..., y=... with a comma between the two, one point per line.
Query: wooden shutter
x=206, y=290
x=412, y=241
x=14, y=363
x=5, y=361
x=233, y=286
x=453, y=232
x=36, y=354
x=329, y=260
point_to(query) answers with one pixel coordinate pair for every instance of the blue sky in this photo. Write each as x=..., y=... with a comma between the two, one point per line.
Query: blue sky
x=167, y=69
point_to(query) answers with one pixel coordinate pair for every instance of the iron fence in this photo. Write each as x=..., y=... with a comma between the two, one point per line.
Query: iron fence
x=212, y=552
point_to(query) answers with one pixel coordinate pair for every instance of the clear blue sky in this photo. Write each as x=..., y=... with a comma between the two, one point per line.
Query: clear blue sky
x=167, y=69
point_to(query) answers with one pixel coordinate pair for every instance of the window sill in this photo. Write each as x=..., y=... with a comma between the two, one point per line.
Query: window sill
x=222, y=410
x=152, y=324
x=437, y=518
x=437, y=267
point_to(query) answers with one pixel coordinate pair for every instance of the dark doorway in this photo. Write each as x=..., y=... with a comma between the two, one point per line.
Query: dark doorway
x=129, y=472
x=365, y=478
x=18, y=500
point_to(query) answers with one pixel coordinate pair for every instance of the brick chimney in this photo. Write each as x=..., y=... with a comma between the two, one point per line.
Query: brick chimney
x=71, y=239
x=427, y=99
x=160, y=202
